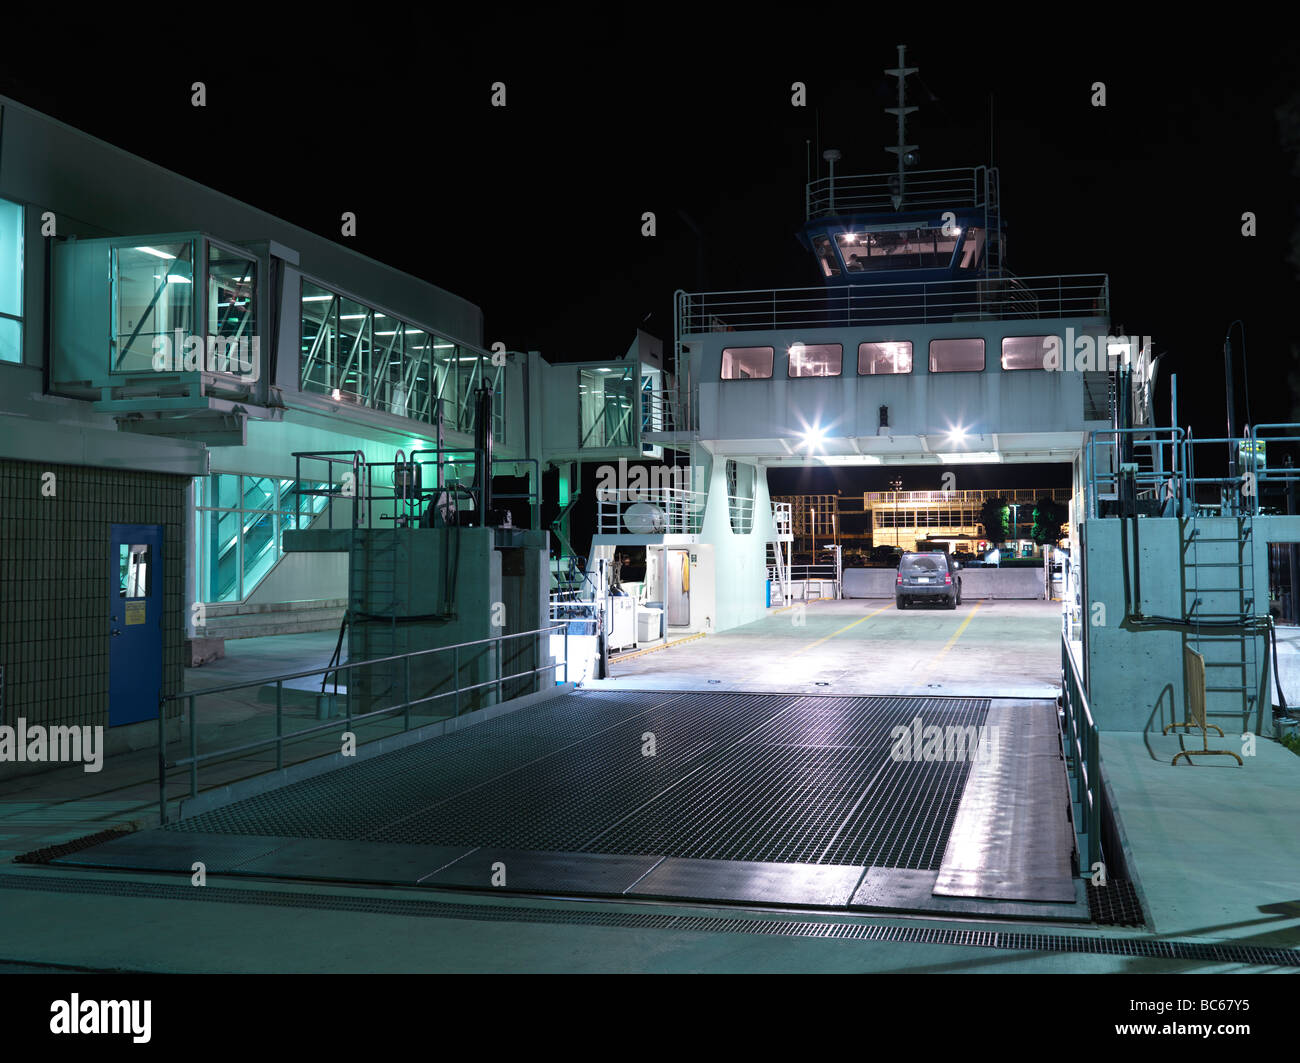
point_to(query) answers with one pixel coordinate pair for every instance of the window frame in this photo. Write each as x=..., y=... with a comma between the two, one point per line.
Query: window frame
x=771, y=369
x=789, y=365
x=21, y=317
x=984, y=353
x=911, y=356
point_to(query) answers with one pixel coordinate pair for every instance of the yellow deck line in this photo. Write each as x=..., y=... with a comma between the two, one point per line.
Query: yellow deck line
x=841, y=631
x=956, y=634
x=655, y=649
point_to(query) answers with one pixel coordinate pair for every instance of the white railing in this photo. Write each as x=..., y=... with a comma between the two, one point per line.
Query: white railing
x=659, y=511
x=1057, y=494
x=875, y=192
x=664, y=411
x=1084, y=295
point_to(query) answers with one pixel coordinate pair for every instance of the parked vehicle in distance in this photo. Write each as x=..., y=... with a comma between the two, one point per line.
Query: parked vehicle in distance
x=930, y=576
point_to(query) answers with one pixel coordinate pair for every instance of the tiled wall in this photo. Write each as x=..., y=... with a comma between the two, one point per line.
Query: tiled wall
x=54, y=621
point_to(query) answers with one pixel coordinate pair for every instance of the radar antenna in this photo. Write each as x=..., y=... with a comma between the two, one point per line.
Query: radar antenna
x=902, y=149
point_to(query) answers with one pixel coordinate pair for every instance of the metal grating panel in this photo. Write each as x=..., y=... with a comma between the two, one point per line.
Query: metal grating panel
x=1140, y=948
x=734, y=776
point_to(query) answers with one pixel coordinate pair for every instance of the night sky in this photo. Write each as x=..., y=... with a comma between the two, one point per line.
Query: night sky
x=534, y=211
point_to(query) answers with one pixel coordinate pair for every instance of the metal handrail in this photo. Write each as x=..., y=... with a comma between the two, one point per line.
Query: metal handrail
x=1079, y=295
x=683, y=509
x=967, y=187
x=278, y=741
x=1082, y=747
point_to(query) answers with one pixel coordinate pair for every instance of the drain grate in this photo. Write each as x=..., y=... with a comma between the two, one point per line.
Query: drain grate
x=1115, y=904
x=1137, y=948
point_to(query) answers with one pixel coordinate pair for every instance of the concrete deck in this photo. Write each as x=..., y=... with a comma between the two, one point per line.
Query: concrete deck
x=856, y=646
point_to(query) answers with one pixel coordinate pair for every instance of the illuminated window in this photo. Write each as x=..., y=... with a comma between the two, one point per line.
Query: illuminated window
x=11, y=282
x=902, y=248
x=747, y=363
x=816, y=359
x=153, y=295
x=956, y=356
x=238, y=526
x=232, y=309
x=972, y=248
x=877, y=358
x=1027, y=352
x=826, y=256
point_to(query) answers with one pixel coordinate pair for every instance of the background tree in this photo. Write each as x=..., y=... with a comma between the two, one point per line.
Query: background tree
x=995, y=515
x=1049, y=516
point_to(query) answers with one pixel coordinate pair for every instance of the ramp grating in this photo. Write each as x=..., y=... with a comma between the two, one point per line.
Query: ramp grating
x=1134, y=947
x=731, y=776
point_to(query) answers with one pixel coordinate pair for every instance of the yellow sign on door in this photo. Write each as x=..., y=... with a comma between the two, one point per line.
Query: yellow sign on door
x=135, y=612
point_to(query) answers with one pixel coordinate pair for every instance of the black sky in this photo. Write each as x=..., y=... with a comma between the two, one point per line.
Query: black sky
x=534, y=211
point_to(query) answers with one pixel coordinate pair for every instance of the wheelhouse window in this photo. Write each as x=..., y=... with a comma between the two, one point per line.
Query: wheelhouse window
x=957, y=356
x=826, y=256
x=747, y=363
x=925, y=247
x=1026, y=352
x=884, y=358
x=11, y=282
x=972, y=248
x=816, y=359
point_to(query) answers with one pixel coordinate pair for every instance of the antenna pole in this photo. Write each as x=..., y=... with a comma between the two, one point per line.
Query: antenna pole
x=901, y=112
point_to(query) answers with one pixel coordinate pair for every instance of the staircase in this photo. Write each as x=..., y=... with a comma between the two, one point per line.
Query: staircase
x=778, y=549
x=1219, y=601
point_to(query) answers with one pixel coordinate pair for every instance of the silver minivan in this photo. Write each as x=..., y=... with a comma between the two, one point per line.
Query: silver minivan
x=931, y=576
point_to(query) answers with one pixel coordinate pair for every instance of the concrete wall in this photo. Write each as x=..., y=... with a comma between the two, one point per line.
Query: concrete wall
x=975, y=583
x=1135, y=674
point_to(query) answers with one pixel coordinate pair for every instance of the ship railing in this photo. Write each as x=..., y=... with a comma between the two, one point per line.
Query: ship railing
x=1057, y=494
x=1159, y=476
x=295, y=736
x=662, y=511
x=1082, y=752
x=1078, y=295
x=970, y=187
x=663, y=412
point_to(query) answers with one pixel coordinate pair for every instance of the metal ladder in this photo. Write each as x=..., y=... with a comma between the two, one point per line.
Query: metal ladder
x=1229, y=651
x=372, y=577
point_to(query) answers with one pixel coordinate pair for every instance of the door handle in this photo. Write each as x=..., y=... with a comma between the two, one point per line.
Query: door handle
x=115, y=633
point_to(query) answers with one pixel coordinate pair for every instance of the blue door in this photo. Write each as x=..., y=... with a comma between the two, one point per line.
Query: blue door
x=135, y=602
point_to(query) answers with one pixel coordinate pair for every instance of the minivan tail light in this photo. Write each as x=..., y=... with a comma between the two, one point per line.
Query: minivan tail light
x=900, y=578
x=947, y=577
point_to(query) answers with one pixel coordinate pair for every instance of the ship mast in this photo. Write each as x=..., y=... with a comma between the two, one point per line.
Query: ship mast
x=902, y=148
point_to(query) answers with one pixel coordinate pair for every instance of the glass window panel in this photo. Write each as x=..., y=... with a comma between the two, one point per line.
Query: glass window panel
x=232, y=308
x=1026, y=352
x=259, y=492
x=153, y=296
x=747, y=363
x=319, y=338
x=11, y=340
x=605, y=402
x=816, y=359
x=826, y=256
x=469, y=376
x=11, y=259
x=352, y=377
x=445, y=367
x=972, y=248
x=956, y=356
x=876, y=358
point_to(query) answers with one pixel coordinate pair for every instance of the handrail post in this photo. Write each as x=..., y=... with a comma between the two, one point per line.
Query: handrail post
x=455, y=676
x=499, y=645
x=162, y=761
x=194, y=752
x=406, y=679
x=566, y=652
x=279, y=725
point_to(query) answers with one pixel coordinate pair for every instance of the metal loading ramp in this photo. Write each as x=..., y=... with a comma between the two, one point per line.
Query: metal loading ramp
x=791, y=800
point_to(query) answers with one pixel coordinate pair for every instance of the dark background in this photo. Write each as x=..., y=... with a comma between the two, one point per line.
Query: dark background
x=534, y=211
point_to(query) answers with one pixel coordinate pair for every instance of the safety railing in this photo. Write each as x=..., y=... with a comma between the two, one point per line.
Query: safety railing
x=1082, y=752
x=873, y=193
x=665, y=412
x=659, y=511
x=194, y=758
x=741, y=510
x=401, y=490
x=1159, y=470
x=1057, y=494
x=1081, y=295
